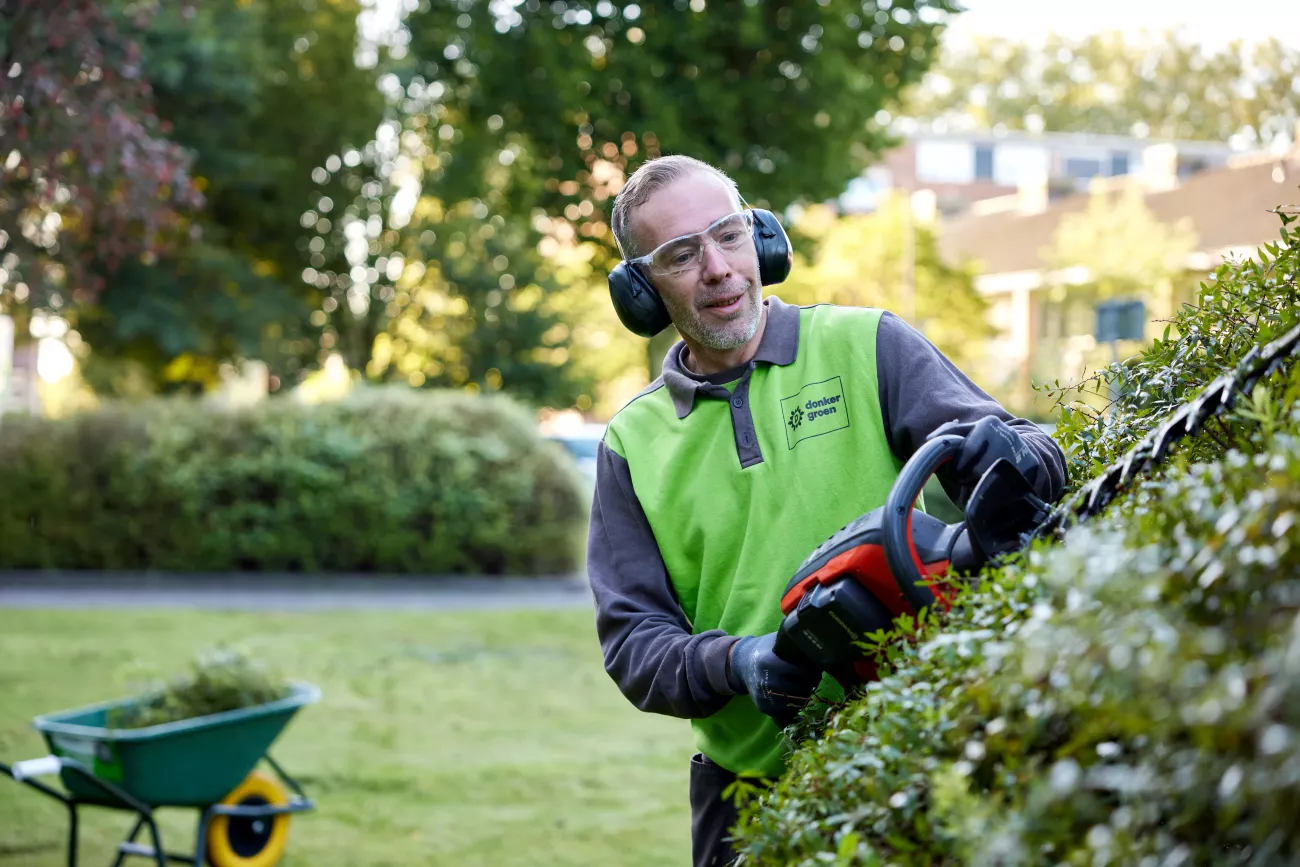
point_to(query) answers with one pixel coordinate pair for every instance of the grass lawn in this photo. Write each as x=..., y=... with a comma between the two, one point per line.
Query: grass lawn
x=466, y=738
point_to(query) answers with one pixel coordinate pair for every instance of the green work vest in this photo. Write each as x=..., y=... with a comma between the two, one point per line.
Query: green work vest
x=732, y=538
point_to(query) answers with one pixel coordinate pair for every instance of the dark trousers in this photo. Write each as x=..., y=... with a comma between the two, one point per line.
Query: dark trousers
x=712, y=816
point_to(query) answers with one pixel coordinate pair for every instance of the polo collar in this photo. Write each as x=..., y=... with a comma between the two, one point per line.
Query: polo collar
x=779, y=345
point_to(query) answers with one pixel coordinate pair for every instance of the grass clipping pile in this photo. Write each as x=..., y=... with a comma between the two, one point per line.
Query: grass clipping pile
x=219, y=681
x=1129, y=695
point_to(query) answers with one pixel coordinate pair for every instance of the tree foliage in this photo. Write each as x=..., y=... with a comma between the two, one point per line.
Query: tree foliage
x=568, y=95
x=263, y=95
x=1123, y=246
x=463, y=319
x=90, y=177
x=534, y=114
x=868, y=260
x=1161, y=85
x=323, y=229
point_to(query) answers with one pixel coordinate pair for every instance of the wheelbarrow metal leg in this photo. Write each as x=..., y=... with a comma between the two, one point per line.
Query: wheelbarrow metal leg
x=288, y=780
x=201, y=839
x=72, y=832
x=130, y=847
x=159, y=855
x=143, y=810
x=70, y=803
x=130, y=838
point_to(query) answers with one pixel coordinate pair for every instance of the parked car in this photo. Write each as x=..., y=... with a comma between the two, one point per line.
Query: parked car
x=581, y=442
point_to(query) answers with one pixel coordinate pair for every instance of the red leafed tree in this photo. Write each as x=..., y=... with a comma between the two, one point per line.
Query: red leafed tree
x=88, y=177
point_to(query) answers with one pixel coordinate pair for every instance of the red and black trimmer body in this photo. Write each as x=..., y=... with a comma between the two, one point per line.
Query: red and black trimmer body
x=892, y=561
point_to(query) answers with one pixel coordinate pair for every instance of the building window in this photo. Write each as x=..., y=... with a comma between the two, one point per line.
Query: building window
x=1082, y=169
x=983, y=162
x=1014, y=164
x=1118, y=163
x=944, y=162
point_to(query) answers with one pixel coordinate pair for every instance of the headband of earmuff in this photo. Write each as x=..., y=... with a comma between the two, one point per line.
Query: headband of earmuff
x=642, y=311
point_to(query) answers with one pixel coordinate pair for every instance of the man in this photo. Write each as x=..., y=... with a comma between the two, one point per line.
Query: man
x=771, y=427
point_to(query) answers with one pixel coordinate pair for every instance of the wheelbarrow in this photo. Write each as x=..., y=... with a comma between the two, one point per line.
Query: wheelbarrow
x=207, y=763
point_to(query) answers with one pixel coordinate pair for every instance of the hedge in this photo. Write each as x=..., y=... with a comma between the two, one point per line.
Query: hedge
x=387, y=480
x=1128, y=694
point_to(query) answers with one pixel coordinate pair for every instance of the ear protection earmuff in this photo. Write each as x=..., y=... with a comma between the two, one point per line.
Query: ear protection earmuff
x=642, y=311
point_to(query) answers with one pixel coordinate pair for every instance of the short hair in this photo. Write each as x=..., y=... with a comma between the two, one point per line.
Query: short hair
x=651, y=176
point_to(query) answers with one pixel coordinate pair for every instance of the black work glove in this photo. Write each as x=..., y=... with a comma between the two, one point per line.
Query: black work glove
x=778, y=688
x=987, y=440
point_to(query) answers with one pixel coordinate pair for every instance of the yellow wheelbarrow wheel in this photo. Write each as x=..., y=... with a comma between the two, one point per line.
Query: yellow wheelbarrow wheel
x=250, y=841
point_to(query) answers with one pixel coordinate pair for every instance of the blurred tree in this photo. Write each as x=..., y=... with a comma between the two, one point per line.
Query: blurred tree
x=863, y=260
x=267, y=96
x=782, y=95
x=1162, y=86
x=89, y=176
x=1114, y=248
x=461, y=320
x=601, y=351
x=1123, y=246
x=536, y=112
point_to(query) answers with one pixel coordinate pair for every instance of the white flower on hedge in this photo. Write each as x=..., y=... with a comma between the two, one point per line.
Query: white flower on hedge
x=1124, y=779
x=1274, y=739
x=1099, y=837
x=1065, y=776
x=1230, y=782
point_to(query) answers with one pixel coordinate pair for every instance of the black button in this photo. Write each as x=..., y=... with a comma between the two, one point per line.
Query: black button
x=744, y=439
x=737, y=402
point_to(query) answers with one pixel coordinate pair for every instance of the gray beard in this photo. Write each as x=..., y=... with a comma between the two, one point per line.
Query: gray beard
x=723, y=336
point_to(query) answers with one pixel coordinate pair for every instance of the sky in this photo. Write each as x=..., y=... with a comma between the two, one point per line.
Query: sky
x=1210, y=22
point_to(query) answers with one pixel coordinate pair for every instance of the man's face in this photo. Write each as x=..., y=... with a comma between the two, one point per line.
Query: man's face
x=718, y=302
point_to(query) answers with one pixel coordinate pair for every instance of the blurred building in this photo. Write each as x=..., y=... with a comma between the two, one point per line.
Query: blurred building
x=18, y=377
x=962, y=168
x=1228, y=206
x=21, y=390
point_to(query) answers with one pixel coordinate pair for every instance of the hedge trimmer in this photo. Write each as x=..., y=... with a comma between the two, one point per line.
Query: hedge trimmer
x=1260, y=363
x=890, y=561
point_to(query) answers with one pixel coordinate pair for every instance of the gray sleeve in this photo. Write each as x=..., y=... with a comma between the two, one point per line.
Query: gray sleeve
x=921, y=389
x=644, y=634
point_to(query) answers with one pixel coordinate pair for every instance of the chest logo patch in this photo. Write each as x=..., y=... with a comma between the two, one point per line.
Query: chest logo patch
x=819, y=408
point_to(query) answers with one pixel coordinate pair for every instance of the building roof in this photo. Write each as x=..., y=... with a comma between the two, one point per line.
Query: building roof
x=1228, y=207
x=914, y=131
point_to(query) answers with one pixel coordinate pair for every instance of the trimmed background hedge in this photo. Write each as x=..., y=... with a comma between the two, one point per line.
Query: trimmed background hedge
x=1130, y=695
x=387, y=480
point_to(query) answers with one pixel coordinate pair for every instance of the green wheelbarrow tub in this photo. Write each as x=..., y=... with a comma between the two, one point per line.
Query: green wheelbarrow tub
x=190, y=763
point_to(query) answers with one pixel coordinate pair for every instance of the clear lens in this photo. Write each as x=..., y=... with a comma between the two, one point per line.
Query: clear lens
x=681, y=254
x=731, y=232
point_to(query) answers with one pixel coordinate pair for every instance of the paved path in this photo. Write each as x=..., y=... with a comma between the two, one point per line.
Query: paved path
x=270, y=592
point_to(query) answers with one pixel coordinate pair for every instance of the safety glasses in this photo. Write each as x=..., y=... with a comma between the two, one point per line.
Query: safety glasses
x=683, y=254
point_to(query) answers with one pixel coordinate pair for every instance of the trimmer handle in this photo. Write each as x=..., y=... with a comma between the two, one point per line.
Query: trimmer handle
x=896, y=526
x=785, y=647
